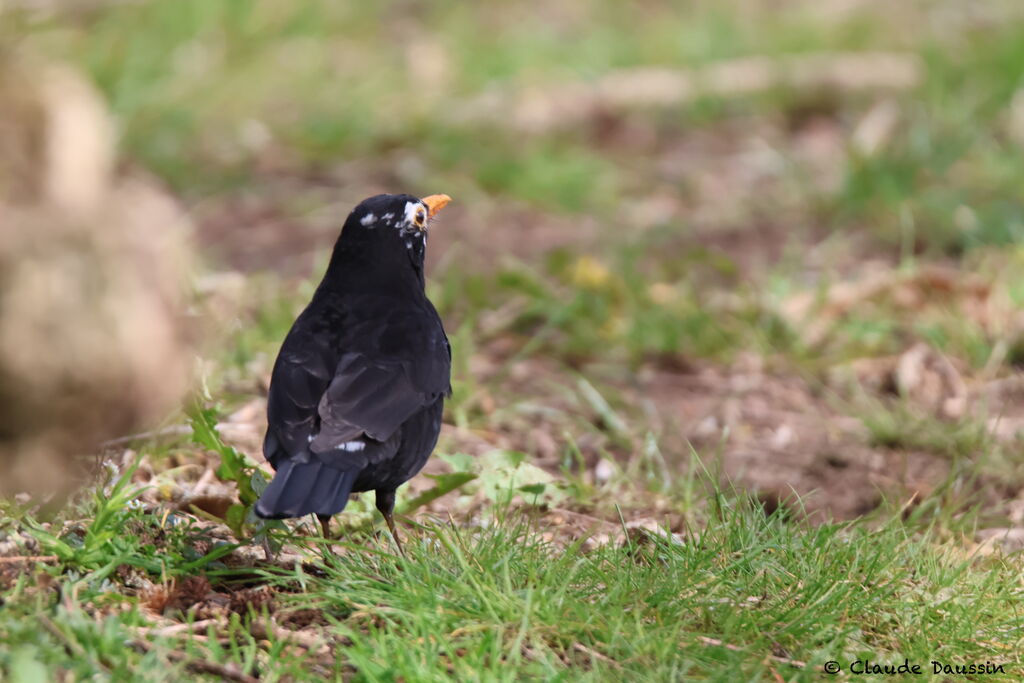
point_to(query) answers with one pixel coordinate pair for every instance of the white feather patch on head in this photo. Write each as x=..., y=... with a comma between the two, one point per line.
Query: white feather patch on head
x=388, y=216
x=367, y=219
x=351, y=446
x=410, y=211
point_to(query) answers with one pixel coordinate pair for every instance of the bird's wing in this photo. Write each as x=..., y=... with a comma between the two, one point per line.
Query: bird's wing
x=301, y=375
x=399, y=365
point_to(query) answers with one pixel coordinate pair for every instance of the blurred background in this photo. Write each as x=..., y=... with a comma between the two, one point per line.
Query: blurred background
x=781, y=241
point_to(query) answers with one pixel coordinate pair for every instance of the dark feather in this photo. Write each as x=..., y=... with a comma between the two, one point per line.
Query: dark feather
x=357, y=390
x=303, y=488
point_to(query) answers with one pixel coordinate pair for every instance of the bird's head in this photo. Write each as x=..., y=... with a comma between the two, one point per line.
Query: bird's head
x=404, y=213
x=388, y=227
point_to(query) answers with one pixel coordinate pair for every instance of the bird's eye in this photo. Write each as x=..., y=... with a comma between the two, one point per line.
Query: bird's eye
x=421, y=216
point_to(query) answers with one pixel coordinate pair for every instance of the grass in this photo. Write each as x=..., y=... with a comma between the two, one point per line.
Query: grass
x=483, y=602
x=716, y=266
x=742, y=595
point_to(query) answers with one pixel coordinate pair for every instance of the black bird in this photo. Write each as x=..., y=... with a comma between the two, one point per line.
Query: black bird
x=359, y=384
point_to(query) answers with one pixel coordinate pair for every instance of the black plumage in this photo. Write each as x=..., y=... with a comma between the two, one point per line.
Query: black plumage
x=358, y=387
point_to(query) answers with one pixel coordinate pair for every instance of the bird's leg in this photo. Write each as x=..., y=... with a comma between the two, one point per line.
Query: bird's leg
x=325, y=524
x=389, y=518
x=266, y=549
x=386, y=505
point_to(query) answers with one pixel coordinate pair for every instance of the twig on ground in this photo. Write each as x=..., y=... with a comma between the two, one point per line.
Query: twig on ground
x=265, y=628
x=580, y=647
x=175, y=629
x=715, y=642
x=208, y=477
x=260, y=629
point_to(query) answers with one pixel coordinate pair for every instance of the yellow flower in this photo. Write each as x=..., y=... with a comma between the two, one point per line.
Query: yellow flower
x=589, y=273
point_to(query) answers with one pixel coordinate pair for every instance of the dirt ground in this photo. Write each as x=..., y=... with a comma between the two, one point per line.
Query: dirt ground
x=771, y=430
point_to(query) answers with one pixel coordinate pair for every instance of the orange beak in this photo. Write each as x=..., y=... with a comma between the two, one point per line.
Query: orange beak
x=435, y=203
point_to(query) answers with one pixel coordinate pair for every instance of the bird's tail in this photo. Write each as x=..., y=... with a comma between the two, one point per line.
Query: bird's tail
x=301, y=488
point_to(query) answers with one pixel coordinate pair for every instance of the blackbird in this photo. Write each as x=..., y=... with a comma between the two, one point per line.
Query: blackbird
x=358, y=387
